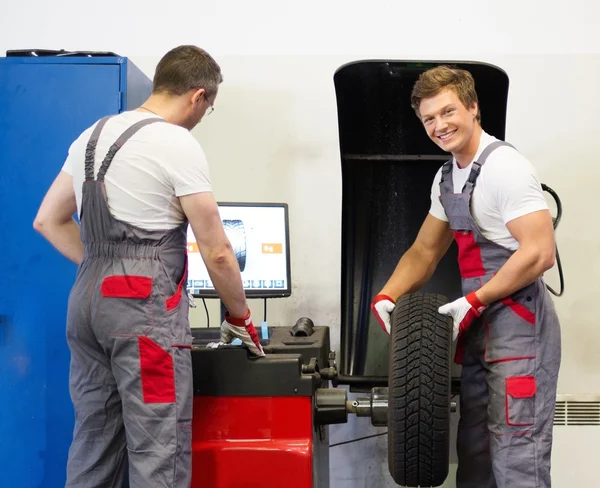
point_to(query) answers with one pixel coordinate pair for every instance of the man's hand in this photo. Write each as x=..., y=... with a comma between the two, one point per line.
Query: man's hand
x=464, y=311
x=244, y=329
x=382, y=308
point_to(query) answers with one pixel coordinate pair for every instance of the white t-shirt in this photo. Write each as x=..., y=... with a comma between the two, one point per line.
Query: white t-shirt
x=508, y=187
x=158, y=164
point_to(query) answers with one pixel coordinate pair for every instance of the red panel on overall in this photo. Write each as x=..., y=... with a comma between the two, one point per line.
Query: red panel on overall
x=469, y=255
x=252, y=442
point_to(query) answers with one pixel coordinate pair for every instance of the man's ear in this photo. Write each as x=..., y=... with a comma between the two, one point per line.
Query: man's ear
x=198, y=96
x=474, y=109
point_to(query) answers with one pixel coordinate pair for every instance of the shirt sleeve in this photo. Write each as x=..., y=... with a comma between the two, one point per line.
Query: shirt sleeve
x=75, y=153
x=518, y=188
x=437, y=209
x=67, y=166
x=188, y=170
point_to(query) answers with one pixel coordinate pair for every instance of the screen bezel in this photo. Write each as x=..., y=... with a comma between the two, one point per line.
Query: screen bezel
x=272, y=293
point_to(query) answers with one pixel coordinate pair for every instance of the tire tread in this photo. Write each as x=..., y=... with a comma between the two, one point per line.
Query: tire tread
x=419, y=392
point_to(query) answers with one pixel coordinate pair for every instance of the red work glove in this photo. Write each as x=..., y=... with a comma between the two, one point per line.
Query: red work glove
x=244, y=329
x=464, y=311
x=382, y=308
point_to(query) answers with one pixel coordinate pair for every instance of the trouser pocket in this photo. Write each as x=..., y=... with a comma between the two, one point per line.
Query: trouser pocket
x=520, y=400
x=123, y=306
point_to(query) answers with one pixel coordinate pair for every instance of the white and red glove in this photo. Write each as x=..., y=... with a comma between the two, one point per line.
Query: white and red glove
x=244, y=329
x=464, y=311
x=382, y=307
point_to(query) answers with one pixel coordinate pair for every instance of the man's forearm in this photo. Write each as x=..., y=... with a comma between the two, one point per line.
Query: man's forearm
x=413, y=270
x=65, y=238
x=522, y=269
x=227, y=280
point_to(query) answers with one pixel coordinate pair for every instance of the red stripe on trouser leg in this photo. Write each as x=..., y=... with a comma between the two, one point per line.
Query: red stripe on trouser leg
x=469, y=255
x=520, y=310
x=157, y=372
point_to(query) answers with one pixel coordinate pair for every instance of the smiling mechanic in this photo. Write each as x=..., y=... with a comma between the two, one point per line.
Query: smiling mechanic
x=488, y=198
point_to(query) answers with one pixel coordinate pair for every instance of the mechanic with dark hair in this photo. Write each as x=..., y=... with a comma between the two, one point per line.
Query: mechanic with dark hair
x=489, y=199
x=137, y=179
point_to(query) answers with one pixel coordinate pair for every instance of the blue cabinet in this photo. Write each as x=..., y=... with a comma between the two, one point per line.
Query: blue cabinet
x=45, y=103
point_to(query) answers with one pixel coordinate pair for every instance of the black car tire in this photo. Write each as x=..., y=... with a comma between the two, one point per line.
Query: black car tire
x=419, y=391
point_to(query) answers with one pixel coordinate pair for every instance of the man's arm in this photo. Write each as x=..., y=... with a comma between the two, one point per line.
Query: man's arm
x=55, y=221
x=203, y=214
x=535, y=255
x=418, y=264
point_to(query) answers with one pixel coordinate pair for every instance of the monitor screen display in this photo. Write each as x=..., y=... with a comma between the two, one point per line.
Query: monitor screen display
x=259, y=235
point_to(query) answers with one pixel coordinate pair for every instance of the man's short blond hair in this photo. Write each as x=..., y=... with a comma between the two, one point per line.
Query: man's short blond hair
x=434, y=80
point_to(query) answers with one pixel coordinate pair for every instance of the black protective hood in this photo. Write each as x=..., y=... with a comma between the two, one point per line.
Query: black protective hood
x=388, y=165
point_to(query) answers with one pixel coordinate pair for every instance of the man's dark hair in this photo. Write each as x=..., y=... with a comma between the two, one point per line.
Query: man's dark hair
x=186, y=68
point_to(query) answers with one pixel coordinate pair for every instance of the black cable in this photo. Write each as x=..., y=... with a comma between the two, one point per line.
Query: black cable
x=265, y=314
x=207, y=315
x=558, y=204
x=555, y=222
x=358, y=439
x=560, y=277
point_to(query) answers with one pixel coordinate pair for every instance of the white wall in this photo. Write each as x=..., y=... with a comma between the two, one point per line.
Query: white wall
x=275, y=127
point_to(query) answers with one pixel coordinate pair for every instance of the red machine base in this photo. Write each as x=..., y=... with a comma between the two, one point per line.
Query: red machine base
x=252, y=442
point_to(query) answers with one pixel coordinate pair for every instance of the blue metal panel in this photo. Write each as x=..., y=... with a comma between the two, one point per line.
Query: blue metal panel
x=138, y=86
x=45, y=103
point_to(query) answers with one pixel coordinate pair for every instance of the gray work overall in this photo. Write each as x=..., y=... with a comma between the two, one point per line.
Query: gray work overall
x=130, y=341
x=510, y=361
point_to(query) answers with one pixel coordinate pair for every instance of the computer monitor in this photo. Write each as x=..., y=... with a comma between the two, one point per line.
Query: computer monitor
x=259, y=235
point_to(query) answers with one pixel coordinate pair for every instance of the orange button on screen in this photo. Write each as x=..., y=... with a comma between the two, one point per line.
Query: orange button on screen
x=268, y=248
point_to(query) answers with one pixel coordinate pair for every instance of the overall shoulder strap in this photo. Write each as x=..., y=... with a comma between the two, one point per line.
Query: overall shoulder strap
x=476, y=169
x=446, y=184
x=118, y=144
x=90, y=150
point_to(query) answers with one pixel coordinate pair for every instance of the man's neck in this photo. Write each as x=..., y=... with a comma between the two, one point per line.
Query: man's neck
x=163, y=106
x=465, y=156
